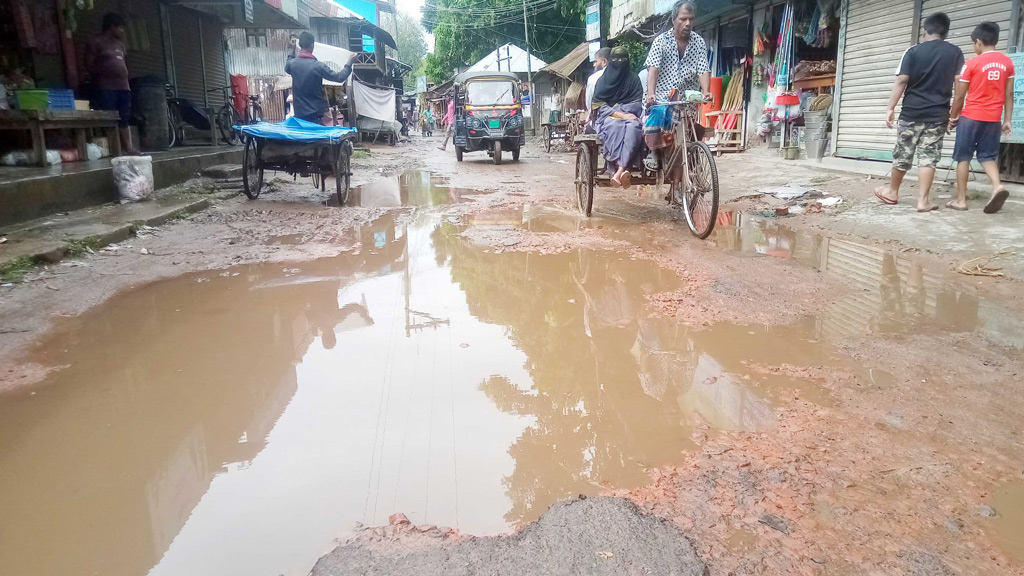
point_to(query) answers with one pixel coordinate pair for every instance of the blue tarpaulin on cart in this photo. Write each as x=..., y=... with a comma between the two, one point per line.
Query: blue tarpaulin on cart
x=296, y=130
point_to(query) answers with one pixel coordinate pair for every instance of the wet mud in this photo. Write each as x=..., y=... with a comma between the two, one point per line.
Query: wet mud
x=797, y=403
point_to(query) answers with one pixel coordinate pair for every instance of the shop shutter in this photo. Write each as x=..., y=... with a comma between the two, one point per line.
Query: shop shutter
x=213, y=53
x=964, y=15
x=145, y=42
x=188, y=62
x=877, y=34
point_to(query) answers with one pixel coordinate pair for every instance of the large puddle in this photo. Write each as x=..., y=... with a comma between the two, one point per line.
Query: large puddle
x=236, y=422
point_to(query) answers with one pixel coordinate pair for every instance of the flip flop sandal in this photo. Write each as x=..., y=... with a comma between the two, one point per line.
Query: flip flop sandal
x=997, y=201
x=928, y=209
x=886, y=201
x=958, y=208
x=627, y=180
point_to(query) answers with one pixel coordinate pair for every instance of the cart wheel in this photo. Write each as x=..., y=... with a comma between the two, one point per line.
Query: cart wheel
x=343, y=171
x=700, y=199
x=585, y=179
x=252, y=172
x=515, y=153
x=497, y=152
x=458, y=154
x=547, y=139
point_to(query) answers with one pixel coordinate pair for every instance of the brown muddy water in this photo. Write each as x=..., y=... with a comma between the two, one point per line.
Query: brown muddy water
x=236, y=422
x=410, y=188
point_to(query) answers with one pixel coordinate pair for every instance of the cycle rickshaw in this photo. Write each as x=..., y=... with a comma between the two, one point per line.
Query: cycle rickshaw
x=687, y=166
x=299, y=148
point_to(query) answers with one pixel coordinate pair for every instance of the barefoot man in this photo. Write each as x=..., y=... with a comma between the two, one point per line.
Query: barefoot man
x=987, y=84
x=925, y=82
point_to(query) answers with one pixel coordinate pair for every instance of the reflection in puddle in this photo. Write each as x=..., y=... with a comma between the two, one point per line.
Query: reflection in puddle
x=410, y=188
x=285, y=240
x=237, y=423
x=1007, y=528
x=888, y=293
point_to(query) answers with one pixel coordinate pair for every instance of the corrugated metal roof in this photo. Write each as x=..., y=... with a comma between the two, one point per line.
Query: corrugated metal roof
x=570, y=62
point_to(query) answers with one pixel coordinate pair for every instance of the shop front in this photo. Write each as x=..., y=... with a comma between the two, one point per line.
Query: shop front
x=876, y=33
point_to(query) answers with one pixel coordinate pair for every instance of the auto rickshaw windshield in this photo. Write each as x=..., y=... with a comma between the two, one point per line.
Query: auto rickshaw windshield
x=490, y=93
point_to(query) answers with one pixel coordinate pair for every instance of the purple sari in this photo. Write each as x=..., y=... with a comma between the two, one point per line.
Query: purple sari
x=622, y=139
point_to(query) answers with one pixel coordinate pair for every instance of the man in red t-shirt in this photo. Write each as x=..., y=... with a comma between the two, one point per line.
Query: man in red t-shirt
x=987, y=84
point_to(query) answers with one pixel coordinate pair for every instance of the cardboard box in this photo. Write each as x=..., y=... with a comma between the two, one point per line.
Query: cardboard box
x=81, y=105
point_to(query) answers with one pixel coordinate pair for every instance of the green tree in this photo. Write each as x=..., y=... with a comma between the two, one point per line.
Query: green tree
x=412, y=46
x=467, y=30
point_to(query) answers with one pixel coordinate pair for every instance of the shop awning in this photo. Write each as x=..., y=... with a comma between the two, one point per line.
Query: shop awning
x=570, y=62
x=232, y=13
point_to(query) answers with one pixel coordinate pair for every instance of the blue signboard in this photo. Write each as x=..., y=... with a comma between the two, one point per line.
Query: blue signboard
x=593, y=20
x=1017, y=124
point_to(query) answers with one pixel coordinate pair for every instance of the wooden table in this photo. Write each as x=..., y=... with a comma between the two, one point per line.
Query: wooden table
x=39, y=121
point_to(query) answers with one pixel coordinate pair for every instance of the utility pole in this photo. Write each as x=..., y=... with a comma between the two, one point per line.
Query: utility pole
x=529, y=71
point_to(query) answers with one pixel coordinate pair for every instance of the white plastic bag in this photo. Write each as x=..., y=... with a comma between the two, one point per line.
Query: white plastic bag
x=133, y=176
x=27, y=158
x=93, y=151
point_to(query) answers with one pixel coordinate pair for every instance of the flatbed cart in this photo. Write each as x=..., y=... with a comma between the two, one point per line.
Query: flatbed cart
x=299, y=148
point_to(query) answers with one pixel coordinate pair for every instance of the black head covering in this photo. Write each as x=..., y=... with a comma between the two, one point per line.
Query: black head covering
x=618, y=84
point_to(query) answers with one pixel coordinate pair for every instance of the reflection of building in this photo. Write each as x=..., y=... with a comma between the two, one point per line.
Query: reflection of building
x=163, y=388
x=722, y=401
x=886, y=293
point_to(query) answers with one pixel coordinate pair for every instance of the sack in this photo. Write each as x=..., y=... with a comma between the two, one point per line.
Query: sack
x=133, y=176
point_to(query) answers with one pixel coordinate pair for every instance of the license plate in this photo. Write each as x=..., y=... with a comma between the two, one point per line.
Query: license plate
x=494, y=123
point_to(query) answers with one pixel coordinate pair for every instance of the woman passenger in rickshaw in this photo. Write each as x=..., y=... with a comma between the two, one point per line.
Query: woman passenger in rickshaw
x=617, y=101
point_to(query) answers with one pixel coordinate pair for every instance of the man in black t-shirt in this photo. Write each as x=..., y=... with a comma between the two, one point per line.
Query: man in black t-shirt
x=925, y=81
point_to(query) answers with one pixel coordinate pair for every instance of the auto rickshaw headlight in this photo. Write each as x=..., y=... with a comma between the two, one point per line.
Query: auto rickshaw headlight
x=515, y=121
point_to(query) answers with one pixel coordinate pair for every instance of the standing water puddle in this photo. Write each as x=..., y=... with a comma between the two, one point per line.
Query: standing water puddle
x=237, y=422
x=410, y=188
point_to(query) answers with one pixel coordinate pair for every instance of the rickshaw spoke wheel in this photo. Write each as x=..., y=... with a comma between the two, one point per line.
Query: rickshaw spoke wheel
x=585, y=179
x=252, y=174
x=700, y=192
x=343, y=171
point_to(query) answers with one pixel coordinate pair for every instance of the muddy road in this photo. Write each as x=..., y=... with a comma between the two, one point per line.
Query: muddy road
x=268, y=382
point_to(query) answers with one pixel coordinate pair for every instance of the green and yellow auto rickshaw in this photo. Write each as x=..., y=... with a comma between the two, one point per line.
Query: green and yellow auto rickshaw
x=488, y=114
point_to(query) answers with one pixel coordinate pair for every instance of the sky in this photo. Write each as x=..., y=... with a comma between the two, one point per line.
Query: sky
x=412, y=8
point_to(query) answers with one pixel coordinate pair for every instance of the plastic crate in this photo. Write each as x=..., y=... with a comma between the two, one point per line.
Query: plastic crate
x=32, y=99
x=61, y=100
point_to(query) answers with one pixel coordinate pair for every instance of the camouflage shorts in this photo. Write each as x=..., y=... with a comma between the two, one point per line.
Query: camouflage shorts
x=924, y=138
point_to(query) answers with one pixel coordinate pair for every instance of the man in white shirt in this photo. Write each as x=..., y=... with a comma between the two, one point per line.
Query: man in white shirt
x=600, y=61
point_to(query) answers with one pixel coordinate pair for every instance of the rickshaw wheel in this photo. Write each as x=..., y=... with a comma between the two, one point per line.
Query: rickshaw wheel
x=343, y=171
x=585, y=179
x=252, y=174
x=515, y=153
x=458, y=154
x=497, y=152
x=547, y=139
x=700, y=198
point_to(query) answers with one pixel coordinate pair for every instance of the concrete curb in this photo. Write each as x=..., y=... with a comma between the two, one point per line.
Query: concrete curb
x=73, y=246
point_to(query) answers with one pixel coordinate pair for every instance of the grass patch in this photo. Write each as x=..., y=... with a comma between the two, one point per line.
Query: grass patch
x=360, y=154
x=15, y=270
x=78, y=248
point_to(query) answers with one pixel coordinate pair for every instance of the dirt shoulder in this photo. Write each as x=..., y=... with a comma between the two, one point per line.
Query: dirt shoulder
x=593, y=536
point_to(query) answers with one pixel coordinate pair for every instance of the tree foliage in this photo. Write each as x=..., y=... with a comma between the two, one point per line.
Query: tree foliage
x=637, y=53
x=467, y=30
x=412, y=46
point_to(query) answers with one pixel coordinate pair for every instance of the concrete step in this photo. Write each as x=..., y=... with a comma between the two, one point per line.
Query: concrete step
x=54, y=238
x=223, y=171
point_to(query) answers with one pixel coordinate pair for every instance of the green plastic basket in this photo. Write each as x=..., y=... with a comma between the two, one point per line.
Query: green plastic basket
x=32, y=99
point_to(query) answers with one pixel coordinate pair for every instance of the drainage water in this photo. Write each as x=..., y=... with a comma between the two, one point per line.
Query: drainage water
x=237, y=422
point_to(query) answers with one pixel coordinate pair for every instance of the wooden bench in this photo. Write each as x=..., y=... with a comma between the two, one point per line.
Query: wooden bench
x=39, y=121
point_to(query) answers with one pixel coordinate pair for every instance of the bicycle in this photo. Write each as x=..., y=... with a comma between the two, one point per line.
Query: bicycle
x=228, y=117
x=687, y=166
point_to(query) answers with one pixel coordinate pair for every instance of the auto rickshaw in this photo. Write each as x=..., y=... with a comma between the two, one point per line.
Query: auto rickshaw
x=488, y=114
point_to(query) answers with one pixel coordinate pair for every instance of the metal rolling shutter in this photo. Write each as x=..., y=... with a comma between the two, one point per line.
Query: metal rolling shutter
x=877, y=34
x=188, y=62
x=145, y=49
x=964, y=15
x=213, y=55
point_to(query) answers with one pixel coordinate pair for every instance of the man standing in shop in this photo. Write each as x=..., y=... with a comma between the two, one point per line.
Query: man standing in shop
x=925, y=82
x=600, y=63
x=986, y=83
x=105, y=63
x=308, y=75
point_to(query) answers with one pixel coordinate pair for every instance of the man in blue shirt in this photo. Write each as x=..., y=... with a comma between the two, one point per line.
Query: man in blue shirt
x=308, y=75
